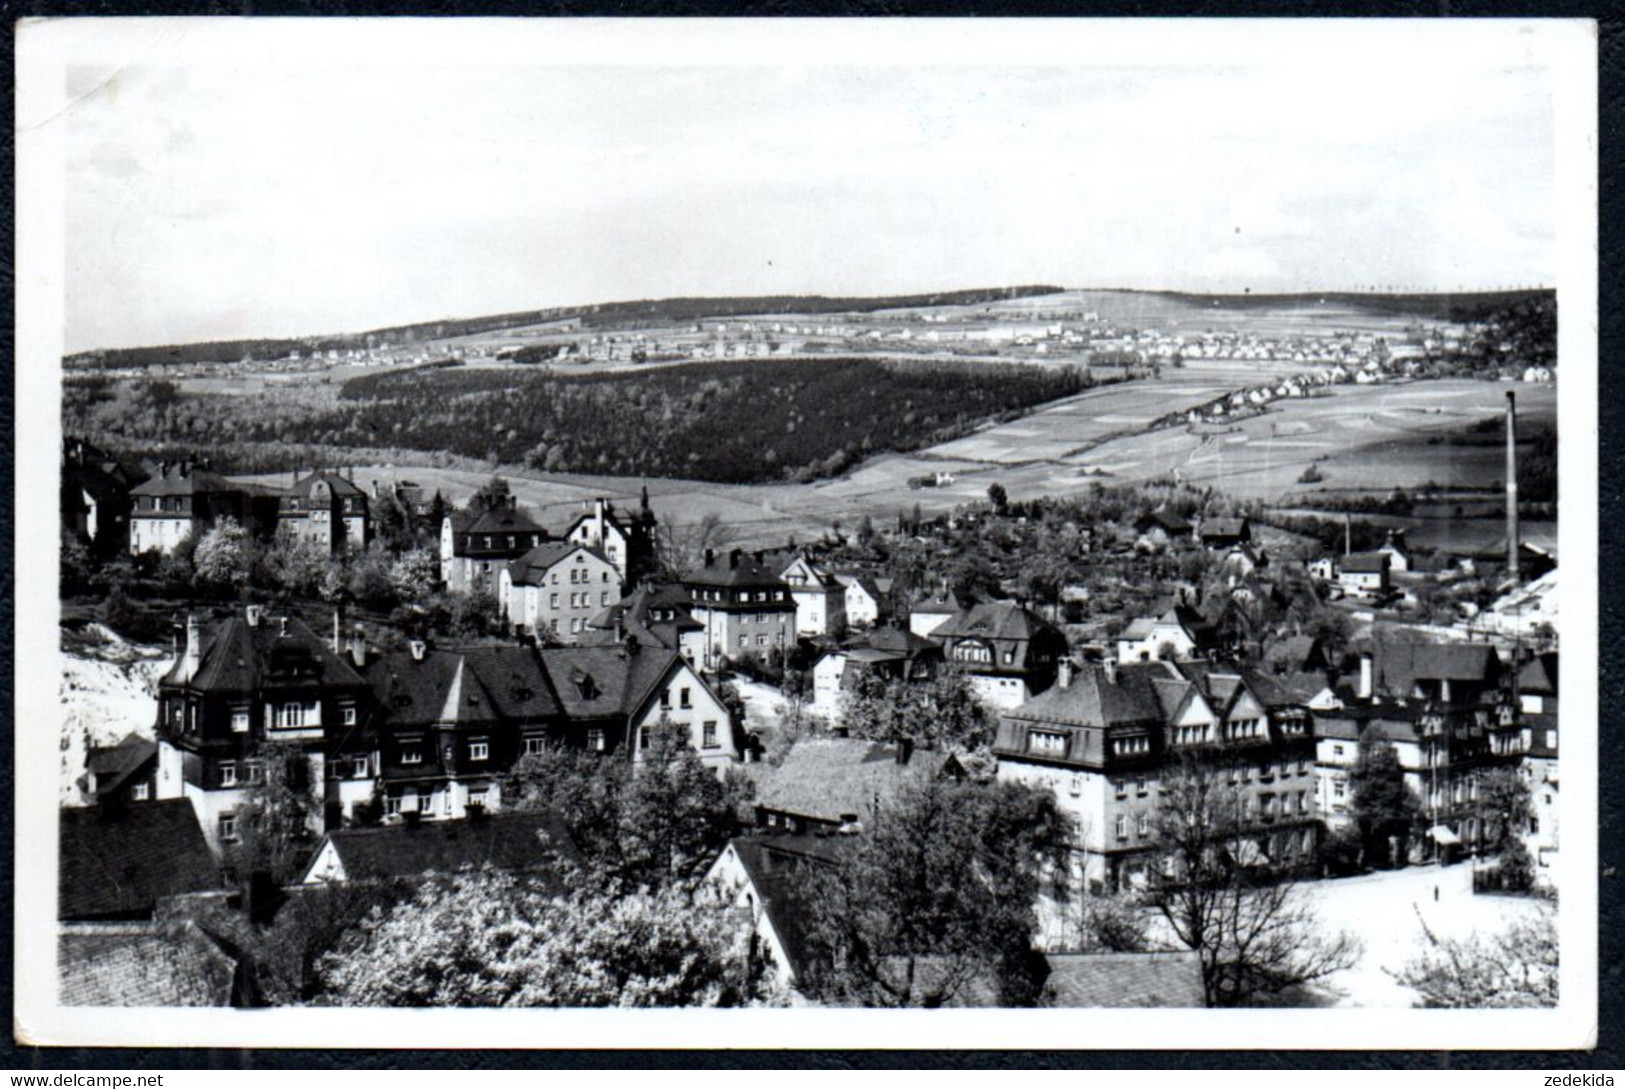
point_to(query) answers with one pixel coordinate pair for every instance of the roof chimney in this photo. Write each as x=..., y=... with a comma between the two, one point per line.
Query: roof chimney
x=254, y=613
x=1367, y=675
x=710, y=557
x=418, y=648
x=733, y=558
x=1109, y=667
x=338, y=647
x=1512, y=486
x=1063, y=673
x=905, y=750
x=358, y=646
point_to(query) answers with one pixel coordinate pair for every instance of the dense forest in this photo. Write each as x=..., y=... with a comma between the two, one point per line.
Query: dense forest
x=642, y=311
x=727, y=421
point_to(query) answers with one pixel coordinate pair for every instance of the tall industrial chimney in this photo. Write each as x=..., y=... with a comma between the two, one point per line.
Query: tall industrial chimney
x=1512, y=486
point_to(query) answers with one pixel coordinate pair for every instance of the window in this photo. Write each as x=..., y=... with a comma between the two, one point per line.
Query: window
x=575, y=625
x=360, y=767
x=479, y=750
x=392, y=806
x=535, y=746
x=239, y=720
x=595, y=738
x=1122, y=826
x=744, y=640
x=665, y=699
x=1337, y=750
x=140, y=791
x=254, y=771
x=1120, y=786
x=477, y=797
x=291, y=716
x=603, y=599
x=425, y=803
x=228, y=773
x=1075, y=787
x=554, y=602
x=1046, y=742
x=761, y=640
x=411, y=754
x=1143, y=825
x=708, y=735
x=228, y=828
x=347, y=714
x=1140, y=788
x=683, y=698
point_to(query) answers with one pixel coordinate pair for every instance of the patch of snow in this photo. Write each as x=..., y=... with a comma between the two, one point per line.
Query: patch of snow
x=108, y=691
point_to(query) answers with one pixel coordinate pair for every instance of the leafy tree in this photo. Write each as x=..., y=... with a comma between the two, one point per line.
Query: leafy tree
x=1503, y=806
x=1514, y=969
x=659, y=821
x=494, y=493
x=224, y=556
x=296, y=566
x=1255, y=935
x=998, y=497
x=943, y=713
x=1383, y=806
x=939, y=892
x=413, y=574
x=489, y=939
x=278, y=823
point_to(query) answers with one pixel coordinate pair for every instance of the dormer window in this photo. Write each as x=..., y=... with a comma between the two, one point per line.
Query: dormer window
x=411, y=754
x=1046, y=742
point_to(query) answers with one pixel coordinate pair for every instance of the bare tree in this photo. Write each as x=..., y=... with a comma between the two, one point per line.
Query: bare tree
x=682, y=548
x=1256, y=934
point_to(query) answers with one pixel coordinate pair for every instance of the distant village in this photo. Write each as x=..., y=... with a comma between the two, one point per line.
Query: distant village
x=608, y=639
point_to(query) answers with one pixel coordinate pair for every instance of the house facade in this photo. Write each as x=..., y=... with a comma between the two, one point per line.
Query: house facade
x=626, y=542
x=866, y=599
x=181, y=502
x=743, y=605
x=1008, y=652
x=819, y=596
x=557, y=588
x=1364, y=574
x=255, y=680
x=1178, y=634
x=327, y=511
x=476, y=546
x=1106, y=737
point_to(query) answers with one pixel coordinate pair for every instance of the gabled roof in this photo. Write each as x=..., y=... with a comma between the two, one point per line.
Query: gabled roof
x=607, y=681
x=1222, y=683
x=899, y=641
x=501, y=520
x=194, y=482
x=112, y=766
x=472, y=687
x=637, y=606
x=1224, y=527
x=340, y=487
x=1399, y=666
x=1337, y=727
x=520, y=842
x=118, y=863
x=1164, y=518
x=240, y=657
x=1538, y=676
x=1118, y=980
x=531, y=569
x=139, y=964
x=1091, y=698
x=821, y=576
x=736, y=569
x=1004, y=620
x=773, y=864
x=945, y=601
x=828, y=779
x=872, y=585
x=1365, y=563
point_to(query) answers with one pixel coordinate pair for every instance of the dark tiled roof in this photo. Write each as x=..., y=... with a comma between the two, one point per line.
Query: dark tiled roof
x=340, y=487
x=1337, y=727
x=1538, y=676
x=475, y=686
x=194, y=482
x=1166, y=519
x=1364, y=563
x=1119, y=980
x=112, y=766
x=597, y=682
x=1092, y=699
x=742, y=569
x=945, y=602
x=773, y=864
x=521, y=842
x=119, y=863
x=992, y=620
x=1399, y=666
x=531, y=569
x=502, y=520
x=827, y=779
x=900, y=641
x=239, y=657
x=1224, y=527
x=142, y=964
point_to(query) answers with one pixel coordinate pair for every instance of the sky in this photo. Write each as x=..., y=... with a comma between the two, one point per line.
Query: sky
x=217, y=188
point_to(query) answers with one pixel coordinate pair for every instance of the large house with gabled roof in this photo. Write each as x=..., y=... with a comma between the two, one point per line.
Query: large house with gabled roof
x=556, y=589
x=1009, y=652
x=476, y=545
x=325, y=510
x=1105, y=735
x=179, y=502
x=743, y=604
x=626, y=542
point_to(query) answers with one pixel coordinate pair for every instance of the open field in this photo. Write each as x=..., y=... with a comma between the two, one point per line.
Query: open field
x=1362, y=439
